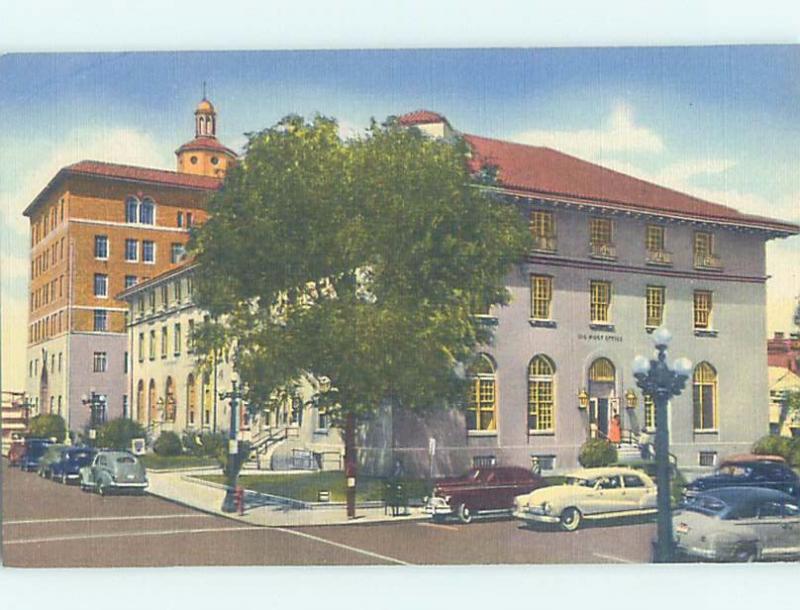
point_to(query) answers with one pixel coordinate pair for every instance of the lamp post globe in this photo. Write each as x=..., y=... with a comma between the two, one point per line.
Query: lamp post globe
x=641, y=365
x=662, y=336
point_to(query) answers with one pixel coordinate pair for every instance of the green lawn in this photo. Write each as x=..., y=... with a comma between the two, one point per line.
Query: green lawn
x=306, y=486
x=152, y=461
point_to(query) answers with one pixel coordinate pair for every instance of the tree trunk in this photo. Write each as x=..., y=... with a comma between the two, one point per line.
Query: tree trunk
x=350, y=463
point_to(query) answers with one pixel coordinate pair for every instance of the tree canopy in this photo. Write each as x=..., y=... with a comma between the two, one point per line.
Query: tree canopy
x=362, y=261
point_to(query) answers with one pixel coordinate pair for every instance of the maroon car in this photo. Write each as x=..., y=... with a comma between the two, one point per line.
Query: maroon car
x=480, y=490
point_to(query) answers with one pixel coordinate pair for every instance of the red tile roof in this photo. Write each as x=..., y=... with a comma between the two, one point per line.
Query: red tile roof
x=205, y=143
x=546, y=172
x=130, y=173
x=421, y=117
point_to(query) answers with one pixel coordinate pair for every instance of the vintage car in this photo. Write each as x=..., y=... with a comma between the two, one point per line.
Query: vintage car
x=34, y=450
x=738, y=524
x=51, y=455
x=480, y=490
x=15, y=453
x=590, y=493
x=117, y=471
x=742, y=472
x=68, y=467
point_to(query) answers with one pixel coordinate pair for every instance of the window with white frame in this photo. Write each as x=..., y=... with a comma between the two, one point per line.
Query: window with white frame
x=100, y=320
x=131, y=250
x=177, y=253
x=148, y=251
x=131, y=210
x=147, y=212
x=100, y=362
x=100, y=247
x=130, y=281
x=101, y=285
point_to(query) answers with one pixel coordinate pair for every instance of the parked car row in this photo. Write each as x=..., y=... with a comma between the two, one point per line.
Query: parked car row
x=99, y=470
x=746, y=510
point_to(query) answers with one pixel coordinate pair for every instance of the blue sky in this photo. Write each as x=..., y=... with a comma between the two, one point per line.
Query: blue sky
x=720, y=122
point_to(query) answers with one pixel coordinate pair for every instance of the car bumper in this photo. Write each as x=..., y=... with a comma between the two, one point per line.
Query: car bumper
x=124, y=485
x=696, y=552
x=527, y=515
x=437, y=507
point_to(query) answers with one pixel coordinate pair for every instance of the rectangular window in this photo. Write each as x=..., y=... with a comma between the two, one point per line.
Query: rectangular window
x=100, y=285
x=60, y=361
x=131, y=250
x=541, y=296
x=152, y=345
x=654, y=238
x=100, y=247
x=100, y=320
x=704, y=256
x=130, y=280
x=176, y=339
x=655, y=306
x=600, y=301
x=702, y=309
x=178, y=291
x=131, y=210
x=180, y=219
x=148, y=252
x=707, y=459
x=601, y=231
x=100, y=362
x=151, y=296
x=189, y=219
x=164, y=297
x=543, y=230
x=189, y=286
x=164, y=341
x=140, y=306
x=141, y=347
x=176, y=253
x=60, y=286
x=542, y=463
x=190, y=337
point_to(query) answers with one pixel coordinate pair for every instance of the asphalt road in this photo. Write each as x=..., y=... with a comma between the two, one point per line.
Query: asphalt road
x=46, y=524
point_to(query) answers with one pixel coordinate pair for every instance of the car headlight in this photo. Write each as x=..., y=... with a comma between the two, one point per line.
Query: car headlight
x=546, y=508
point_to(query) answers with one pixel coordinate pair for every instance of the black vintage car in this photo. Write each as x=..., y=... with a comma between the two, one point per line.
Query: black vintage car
x=756, y=472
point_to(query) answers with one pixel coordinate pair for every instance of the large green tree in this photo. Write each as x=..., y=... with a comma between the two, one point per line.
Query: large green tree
x=361, y=262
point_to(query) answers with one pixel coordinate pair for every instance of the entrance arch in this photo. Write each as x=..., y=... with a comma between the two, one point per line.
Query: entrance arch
x=602, y=384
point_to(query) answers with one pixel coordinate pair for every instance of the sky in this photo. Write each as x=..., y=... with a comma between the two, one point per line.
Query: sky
x=721, y=123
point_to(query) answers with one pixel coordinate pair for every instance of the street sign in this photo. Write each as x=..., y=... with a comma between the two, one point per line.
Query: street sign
x=138, y=446
x=233, y=446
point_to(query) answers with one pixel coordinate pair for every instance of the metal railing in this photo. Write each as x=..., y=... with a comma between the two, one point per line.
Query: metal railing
x=544, y=243
x=707, y=261
x=604, y=250
x=659, y=257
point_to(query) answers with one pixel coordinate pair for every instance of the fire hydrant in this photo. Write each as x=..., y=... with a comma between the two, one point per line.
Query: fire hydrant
x=239, y=496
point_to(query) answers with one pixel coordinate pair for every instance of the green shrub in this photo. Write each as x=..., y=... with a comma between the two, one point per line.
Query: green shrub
x=168, y=443
x=597, y=452
x=207, y=444
x=774, y=445
x=48, y=426
x=118, y=433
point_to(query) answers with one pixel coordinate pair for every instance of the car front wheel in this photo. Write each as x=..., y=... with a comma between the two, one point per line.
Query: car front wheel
x=745, y=553
x=464, y=513
x=102, y=489
x=571, y=519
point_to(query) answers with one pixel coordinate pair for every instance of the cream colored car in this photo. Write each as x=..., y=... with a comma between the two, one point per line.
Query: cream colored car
x=590, y=493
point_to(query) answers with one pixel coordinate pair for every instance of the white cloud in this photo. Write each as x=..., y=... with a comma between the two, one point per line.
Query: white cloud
x=618, y=133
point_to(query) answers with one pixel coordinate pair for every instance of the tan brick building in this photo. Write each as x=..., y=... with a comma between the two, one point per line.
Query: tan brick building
x=97, y=228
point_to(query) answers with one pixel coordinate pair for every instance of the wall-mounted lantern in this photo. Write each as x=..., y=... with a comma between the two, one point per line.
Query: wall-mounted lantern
x=583, y=398
x=630, y=399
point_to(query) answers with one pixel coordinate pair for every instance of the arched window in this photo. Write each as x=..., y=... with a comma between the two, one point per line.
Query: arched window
x=152, y=401
x=541, y=398
x=170, y=404
x=191, y=400
x=140, y=406
x=131, y=209
x=147, y=211
x=704, y=397
x=482, y=404
x=206, y=398
x=602, y=371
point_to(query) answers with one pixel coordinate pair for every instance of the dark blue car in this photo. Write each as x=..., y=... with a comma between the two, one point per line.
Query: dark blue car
x=760, y=473
x=72, y=460
x=34, y=450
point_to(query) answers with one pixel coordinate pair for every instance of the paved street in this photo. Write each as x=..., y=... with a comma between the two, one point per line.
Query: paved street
x=46, y=524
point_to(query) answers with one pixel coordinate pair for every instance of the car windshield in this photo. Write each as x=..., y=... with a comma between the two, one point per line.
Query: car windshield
x=580, y=482
x=80, y=455
x=734, y=470
x=125, y=460
x=706, y=505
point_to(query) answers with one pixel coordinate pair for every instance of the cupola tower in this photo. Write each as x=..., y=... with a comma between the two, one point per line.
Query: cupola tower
x=205, y=155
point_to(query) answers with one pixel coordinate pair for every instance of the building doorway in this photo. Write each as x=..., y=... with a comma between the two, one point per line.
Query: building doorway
x=602, y=382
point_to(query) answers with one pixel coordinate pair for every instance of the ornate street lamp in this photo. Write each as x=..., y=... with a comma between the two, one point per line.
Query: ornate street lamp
x=662, y=382
x=97, y=403
x=232, y=464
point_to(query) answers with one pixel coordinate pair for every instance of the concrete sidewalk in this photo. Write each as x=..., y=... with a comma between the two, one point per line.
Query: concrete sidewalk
x=179, y=487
